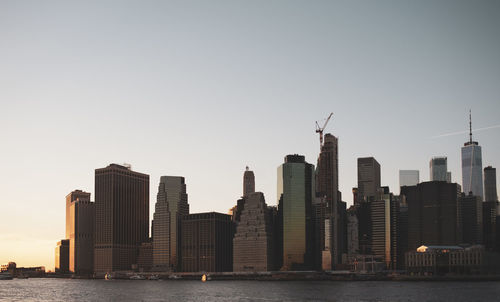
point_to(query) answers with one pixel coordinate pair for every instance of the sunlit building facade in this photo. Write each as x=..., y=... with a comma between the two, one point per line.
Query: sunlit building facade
x=295, y=194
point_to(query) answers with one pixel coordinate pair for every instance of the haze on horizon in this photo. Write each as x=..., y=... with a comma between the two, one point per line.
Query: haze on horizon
x=202, y=89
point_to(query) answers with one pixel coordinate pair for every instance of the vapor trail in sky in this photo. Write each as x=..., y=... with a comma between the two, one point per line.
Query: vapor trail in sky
x=464, y=132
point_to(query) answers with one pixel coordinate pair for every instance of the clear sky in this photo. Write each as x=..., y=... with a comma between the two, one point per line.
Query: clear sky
x=203, y=88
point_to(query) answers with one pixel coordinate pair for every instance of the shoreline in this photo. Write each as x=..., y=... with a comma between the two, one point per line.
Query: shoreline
x=284, y=276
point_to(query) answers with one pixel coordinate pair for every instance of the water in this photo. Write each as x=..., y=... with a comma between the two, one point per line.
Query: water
x=138, y=290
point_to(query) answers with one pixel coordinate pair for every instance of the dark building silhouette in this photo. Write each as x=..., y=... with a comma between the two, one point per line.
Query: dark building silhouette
x=296, y=192
x=122, y=217
x=433, y=214
x=489, y=224
x=490, y=184
x=368, y=177
x=62, y=257
x=171, y=205
x=253, y=245
x=471, y=208
x=327, y=207
x=207, y=242
x=402, y=232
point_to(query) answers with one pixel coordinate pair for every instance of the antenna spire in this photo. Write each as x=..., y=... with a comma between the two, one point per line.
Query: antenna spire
x=470, y=126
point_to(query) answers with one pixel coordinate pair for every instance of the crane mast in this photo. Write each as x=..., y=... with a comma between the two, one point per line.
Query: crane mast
x=320, y=129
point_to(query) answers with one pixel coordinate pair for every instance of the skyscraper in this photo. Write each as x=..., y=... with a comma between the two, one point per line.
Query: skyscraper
x=122, y=217
x=472, y=171
x=253, y=240
x=171, y=205
x=383, y=211
x=438, y=168
x=490, y=184
x=295, y=194
x=248, y=182
x=70, y=198
x=327, y=185
x=368, y=177
x=81, y=233
x=62, y=257
x=408, y=177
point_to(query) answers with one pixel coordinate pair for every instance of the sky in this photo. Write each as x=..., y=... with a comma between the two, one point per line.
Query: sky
x=202, y=89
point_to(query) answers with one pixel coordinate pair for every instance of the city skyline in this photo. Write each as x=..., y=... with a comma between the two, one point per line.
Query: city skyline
x=77, y=96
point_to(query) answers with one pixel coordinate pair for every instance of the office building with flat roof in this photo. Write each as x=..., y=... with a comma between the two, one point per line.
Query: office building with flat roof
x=122, y=217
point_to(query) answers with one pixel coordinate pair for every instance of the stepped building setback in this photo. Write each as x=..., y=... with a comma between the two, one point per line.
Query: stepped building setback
x=253, y=240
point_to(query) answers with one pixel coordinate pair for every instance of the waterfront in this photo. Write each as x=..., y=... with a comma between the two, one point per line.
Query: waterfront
x=125, y=290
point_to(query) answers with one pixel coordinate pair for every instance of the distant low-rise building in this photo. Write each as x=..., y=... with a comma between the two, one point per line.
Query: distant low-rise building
x=439, y=260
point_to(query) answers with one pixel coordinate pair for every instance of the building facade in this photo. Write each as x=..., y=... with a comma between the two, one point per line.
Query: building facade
x=434, y=216
x=490, y=184
x=327, y=205
x=171, y=206
x=62, y=257
x=81, y=237
x=409, y=177
x=253, y=248
x=368, y=177
x=471, y=208
x=207, y=242
x=438, y=168
x=472, y=166
x=295, y=195
x=248, y=182
x=122, y=217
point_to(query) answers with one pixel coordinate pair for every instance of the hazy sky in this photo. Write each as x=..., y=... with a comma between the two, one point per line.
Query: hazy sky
x=203, y=88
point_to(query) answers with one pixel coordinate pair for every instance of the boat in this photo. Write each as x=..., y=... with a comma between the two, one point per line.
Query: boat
x=174, y=277
x=137, y=277
x=5, y=276
x=154, y=277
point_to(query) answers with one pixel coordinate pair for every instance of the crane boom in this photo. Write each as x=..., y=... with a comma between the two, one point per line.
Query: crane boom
x=320, y=130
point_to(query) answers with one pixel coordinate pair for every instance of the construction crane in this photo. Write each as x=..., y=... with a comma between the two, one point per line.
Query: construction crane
x=320, y=130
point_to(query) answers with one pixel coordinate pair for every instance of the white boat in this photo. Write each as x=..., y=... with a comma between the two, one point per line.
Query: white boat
x=154, y=277
x=137, y=277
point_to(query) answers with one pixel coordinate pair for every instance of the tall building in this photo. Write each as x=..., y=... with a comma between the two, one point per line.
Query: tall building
x=383, y=210
x=438, y=168
x=402, y=232
x=327, y=191
x=295, y=194
x=80, y=223
x=70, y=198
x=171, y=205
x=248, y=182
x=489, y=224
x=253, y=241
x=207, y=242
x=490, y=184
x=472, y=218
x=434, y=216
x=62, y=257
x=122, y=217
x=352, y=232
x=368, y=177
x=408, y=177
x=472, y=166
